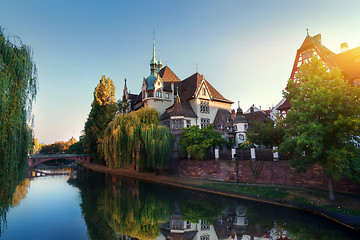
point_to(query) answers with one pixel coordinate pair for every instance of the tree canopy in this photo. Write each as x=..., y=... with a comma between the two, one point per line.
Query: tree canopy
x=102, y=112
x=137, y=138
x=195, y=141
x=323, y=125
x=18, y=87
x=265, y=133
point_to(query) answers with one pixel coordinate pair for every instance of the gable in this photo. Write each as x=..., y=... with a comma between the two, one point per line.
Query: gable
x=203, y=92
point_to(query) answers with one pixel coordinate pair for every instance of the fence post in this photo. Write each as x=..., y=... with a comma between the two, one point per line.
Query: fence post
x=252, y=152
x=216, y=153
x=275, y=154
x=233, y=152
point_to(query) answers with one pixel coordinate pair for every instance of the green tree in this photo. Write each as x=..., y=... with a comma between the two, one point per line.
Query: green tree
x=102, y=113
x=265, y=133
x=323, y=123
x=137, y=138
x=18, y=87
x=195, y=141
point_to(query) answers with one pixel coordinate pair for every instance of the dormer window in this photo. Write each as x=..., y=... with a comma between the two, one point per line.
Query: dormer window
x=204, y=92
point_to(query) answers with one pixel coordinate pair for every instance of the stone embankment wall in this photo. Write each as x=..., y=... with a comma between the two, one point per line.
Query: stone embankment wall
x=264, y=172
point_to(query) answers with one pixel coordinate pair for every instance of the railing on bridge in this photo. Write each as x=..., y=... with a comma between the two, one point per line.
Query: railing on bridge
x=34, y=160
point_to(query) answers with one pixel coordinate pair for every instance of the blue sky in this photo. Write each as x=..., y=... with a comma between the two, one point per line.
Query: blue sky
x=245, y=49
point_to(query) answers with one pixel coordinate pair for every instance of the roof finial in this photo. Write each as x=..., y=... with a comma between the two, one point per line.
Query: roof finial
x=307, y=32
x=196, y=65
x=238, y=104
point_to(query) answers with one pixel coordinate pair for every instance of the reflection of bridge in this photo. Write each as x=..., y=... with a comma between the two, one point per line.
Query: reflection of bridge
x=34, y=160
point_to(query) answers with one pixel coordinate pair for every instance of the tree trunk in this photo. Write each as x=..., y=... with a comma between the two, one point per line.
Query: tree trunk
x=331, y=190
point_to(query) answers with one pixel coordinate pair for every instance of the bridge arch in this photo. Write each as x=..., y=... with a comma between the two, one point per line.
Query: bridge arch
x=35, y=160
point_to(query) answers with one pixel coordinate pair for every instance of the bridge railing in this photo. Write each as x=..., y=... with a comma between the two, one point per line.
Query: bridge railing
x=37, y=156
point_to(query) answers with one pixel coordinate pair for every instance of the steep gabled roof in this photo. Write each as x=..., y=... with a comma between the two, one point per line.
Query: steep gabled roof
x=168, y=75
x=189, y=87
x=256, y=117
x=223, y=118
x=349, y=63
x=314, y=42
x=215, y=95
x=284, y=105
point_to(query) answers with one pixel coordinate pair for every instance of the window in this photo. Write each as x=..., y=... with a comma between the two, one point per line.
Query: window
x=205, y=237
x=246, y=126
x=158, y=94
x=204, y=107
x=150, y=94
x=177, y=123
x=188, y=123
x=204, y=92
x=188, y=224
x=167, y=95
x=205, y=122
x=204, y=225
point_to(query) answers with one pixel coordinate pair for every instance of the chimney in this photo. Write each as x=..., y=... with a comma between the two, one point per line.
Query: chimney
x=317, y=38
x=344, y=47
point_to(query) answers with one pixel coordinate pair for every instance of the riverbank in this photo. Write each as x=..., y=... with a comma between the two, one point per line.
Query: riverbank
x=345, y=211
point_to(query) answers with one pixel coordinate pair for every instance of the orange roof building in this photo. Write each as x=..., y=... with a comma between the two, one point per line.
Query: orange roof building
x=348, y=61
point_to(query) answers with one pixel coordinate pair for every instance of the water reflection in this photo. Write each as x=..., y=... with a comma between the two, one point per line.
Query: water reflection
x=9, y=181
x=121, y=208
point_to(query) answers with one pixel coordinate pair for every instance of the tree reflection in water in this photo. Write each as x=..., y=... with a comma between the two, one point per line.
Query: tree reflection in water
x=121, y=208
x=13, y=188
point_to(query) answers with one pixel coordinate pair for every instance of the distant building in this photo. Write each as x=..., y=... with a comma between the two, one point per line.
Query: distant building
x=181, y=104
x=348, y=61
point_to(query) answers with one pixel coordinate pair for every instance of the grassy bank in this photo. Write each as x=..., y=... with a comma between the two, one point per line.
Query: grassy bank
x=345, y=203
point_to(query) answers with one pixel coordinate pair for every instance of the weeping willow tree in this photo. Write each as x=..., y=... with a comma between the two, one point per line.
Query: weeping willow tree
x=135, y=212
x=18, y=86
x=137, y=138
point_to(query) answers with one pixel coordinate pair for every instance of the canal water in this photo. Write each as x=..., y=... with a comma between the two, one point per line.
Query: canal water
x=86, y=205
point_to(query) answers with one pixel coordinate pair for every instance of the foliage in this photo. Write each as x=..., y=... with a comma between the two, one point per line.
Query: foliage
x=57, y=147
x=265, y=133
x=195, y=141
x=136, y=211
x=136, y=138
x=323, y=125
x=122, y=106
x=36, y=146
x=102, y=113
x=77, y=148
x=200, y=209
x=18, y=87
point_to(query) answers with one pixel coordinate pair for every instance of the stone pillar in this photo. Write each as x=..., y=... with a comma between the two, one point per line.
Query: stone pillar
x=252, y=152
x=233, y=152
x=216, y=154
x=275, y=154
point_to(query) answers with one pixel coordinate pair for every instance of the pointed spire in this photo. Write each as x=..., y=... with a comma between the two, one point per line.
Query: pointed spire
x=307, y=32
x=153, y=60
x=159, y=62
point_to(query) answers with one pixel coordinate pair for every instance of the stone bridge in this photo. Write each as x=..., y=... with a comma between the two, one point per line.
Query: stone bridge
x=34, y=160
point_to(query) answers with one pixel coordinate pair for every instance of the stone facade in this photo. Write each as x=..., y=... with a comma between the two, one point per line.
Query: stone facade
x=263, y=172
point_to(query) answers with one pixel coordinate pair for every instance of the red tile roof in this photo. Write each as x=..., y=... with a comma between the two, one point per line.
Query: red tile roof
x=168, y=75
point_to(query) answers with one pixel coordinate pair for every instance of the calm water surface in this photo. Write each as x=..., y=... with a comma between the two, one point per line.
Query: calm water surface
x=89, y=205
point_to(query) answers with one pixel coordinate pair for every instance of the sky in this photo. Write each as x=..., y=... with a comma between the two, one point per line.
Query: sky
x=244, y=48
